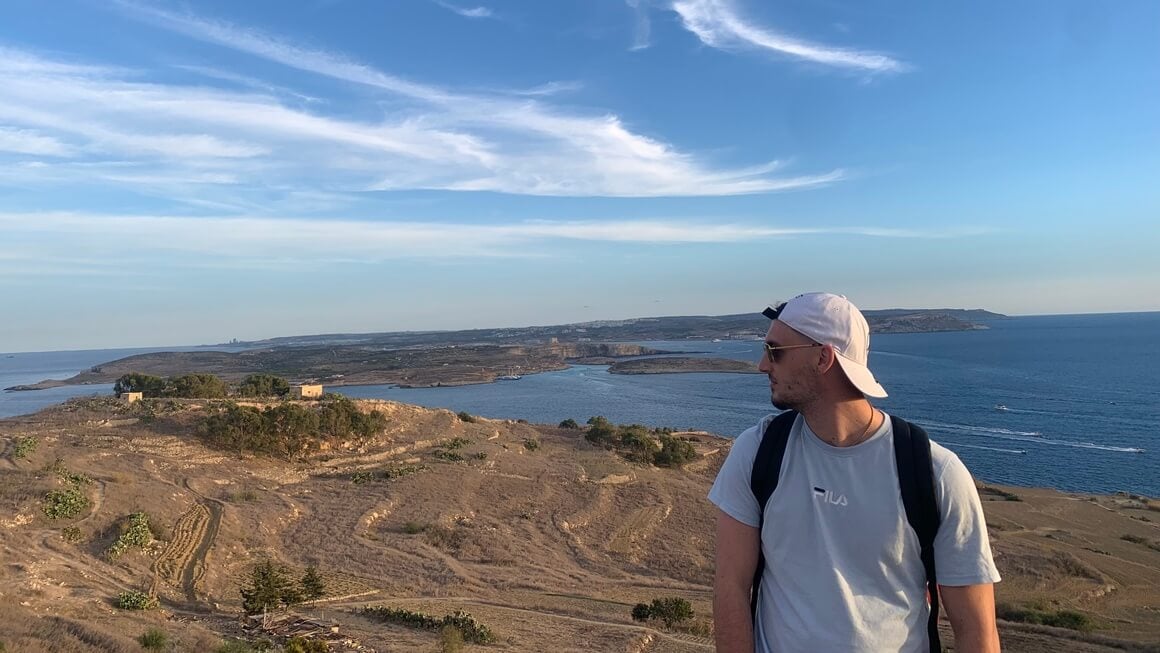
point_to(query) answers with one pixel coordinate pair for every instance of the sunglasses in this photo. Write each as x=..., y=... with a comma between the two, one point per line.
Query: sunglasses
x=774, y=351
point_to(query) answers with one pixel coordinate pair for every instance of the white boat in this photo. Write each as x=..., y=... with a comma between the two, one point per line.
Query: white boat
x=1000, y=407
x=509, y=377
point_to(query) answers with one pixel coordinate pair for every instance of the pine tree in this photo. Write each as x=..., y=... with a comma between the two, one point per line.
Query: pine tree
x=269, y=587
x=312, y=585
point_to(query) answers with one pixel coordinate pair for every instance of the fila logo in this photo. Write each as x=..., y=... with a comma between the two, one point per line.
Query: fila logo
x=829, y=496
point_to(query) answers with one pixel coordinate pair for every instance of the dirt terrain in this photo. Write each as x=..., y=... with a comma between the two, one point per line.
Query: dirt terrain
x=543, y=538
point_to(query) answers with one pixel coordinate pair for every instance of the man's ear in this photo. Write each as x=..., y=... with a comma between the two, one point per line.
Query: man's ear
x=827, y=358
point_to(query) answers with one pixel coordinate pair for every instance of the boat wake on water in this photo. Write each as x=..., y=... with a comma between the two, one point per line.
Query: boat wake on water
x=1025, y=436
x=954, y=445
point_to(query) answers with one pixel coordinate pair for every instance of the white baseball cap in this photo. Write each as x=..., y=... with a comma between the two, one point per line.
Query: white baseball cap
x=833, y=320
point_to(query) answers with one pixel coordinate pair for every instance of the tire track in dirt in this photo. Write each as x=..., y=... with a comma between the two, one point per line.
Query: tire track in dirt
x=188, y=534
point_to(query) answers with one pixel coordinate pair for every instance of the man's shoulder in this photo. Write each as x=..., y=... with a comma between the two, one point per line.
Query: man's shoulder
x=942, y=460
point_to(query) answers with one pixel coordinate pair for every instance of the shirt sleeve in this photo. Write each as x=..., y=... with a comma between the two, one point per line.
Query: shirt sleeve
x=731, y=491
x=962, y=548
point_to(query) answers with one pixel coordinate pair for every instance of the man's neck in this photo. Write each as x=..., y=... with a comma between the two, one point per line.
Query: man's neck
x=842, y=423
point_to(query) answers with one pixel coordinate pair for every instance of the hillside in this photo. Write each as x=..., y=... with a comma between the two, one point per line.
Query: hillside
x=544, y=538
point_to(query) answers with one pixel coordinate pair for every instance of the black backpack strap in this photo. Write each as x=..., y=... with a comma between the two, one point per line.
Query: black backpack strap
x=916, y=481
x=763, y=481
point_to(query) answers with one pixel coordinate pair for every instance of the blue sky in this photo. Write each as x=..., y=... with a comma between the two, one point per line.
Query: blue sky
x=190, y=173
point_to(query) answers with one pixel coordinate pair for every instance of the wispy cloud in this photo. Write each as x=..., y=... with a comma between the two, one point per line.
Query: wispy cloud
x=464, y=141
x=28, y=141
x=297, y=241
x=718, y=24
x=642, y=28
x=468, y=12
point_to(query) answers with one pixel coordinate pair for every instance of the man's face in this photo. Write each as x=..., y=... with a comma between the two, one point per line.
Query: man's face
x=793, y=374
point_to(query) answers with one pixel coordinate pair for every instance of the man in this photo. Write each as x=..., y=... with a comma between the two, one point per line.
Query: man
x=842, y=564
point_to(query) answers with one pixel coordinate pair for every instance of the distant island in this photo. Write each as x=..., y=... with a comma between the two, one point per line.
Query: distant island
x=446, y=358
x=682, y=364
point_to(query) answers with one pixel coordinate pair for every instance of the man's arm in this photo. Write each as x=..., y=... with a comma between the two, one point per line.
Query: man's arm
x=737, y=547
x=971, y=610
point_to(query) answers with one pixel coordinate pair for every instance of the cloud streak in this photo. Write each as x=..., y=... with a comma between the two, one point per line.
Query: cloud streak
x=501, y=142
x=297, y=241
x=718, y=24
x=467, y=12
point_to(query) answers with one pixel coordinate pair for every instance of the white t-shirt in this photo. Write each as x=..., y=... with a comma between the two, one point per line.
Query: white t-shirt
x=843, y=571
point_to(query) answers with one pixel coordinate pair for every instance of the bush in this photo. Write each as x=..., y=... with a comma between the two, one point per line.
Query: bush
x=289, y=430
x=358, y=478
x=136, y=533
x=674, y=453
x=72, y=534
x=148, y=386
x=65, y=504
x=471, y=630
x=263, y=385
x=531, y=444
x=414, y=528
x=153, y=639
x=569, y=424
x=457, y=443
x=449, y=456
x=465, y=416
x=1037, y=615
x=671, y=611
x=24, y=447
x=134, y=600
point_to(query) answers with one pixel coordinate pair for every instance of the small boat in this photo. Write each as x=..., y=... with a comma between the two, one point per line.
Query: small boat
x=1000, y=407
x=509, y=377
x=716, y=340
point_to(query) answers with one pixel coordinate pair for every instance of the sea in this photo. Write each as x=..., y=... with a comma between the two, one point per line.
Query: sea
x=1068, y=402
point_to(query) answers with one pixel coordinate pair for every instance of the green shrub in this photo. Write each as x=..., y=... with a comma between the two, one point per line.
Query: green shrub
x=358, y=478
x=24, y=447
x=449, y=456
x=1038, y=614
x=65, y=504
x=399, y=471
x=136, y=533
x=569, y=424
x=479, y=455
x=670, y=610
x=465, y=416
x=153, y=639
x=456, y=443
x=414, y=528
x=531, y=444
x=263, y=385
x=641, y=612
x=134, y=600
x=471, y=630
x=673, y=452
x=72, y=534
